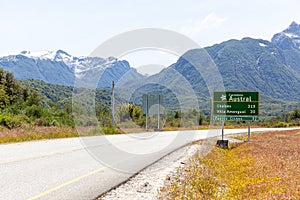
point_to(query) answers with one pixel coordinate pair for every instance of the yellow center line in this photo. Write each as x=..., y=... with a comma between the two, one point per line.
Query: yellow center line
x=80, y=177
x=76, y=179
x=66, y=183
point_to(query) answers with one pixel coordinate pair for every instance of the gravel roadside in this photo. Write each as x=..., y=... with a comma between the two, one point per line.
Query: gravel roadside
x=147, y=184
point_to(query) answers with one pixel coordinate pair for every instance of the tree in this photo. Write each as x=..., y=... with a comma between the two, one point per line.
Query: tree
x=25, y=94
x=12, y=87
x=201, y=119
x=2, y=77
x=33, y=99
x=4, y=99
x=177, y=115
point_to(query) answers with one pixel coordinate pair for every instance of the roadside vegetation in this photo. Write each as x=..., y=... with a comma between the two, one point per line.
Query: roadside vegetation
x=35, y=133
x=20, y=106
x=31, y=105
x=265, y=168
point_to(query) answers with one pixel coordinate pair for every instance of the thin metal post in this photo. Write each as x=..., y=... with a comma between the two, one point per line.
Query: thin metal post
x=158, y=116
x=284, y=112
x=113, y=104
x=248, y=131
x=147, y=110
x=222, y=129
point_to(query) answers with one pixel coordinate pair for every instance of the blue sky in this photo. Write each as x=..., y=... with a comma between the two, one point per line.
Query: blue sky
x=79, y=26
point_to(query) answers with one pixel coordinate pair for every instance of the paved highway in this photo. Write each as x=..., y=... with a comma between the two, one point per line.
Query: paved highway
x=83, y=168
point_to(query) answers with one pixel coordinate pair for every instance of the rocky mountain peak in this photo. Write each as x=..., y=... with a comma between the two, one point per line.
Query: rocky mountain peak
x=289, y=38
x=294, y=29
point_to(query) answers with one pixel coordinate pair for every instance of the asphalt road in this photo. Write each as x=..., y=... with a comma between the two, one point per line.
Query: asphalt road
x=84, y=168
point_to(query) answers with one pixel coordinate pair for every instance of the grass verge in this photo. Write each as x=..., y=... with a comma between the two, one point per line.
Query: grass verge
x=266, y=168
x=50, y=132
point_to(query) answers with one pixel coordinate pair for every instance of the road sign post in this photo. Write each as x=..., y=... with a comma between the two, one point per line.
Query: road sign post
x=158, y=113
x=151, y=104
x=235, y=105
x=147, y=112
x=248, y=131
x=222, y=129
x=113, y=104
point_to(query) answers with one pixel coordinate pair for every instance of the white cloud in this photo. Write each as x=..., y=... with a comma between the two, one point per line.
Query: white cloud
x=192, y=28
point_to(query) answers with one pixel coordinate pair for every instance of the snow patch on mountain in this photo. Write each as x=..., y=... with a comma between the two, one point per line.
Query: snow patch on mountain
x=79, y=65
x=290, y=35
x=59, y=67
x=262, y=44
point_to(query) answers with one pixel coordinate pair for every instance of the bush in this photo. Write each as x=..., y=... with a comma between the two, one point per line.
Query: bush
x=13, y=121
x=46, y=121
x=34, y=111
x=110, y=130
x=281, y=124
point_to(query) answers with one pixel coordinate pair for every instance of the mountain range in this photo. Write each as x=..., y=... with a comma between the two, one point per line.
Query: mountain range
x=270, y=67
x=59, y=67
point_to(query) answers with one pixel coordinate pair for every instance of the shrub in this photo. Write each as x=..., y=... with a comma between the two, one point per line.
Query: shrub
x=281, y=124
x=34, y=111
x=13, y=121
x=110, y=130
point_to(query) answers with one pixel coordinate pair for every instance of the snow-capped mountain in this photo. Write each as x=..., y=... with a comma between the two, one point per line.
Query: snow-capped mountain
x=51, y=55
x=78, y=65
x=289, y=38
x=272, y=68
x=288, y=42
x=59, y=67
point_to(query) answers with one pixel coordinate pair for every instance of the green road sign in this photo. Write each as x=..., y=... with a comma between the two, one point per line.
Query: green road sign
x=235, y=104
x=236, y=96
x=236, y=118
x=236, y=108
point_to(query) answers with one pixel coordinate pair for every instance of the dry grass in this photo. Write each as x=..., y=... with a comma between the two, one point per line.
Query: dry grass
x=266, y=168
x=51, y=132
x=35, y=133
